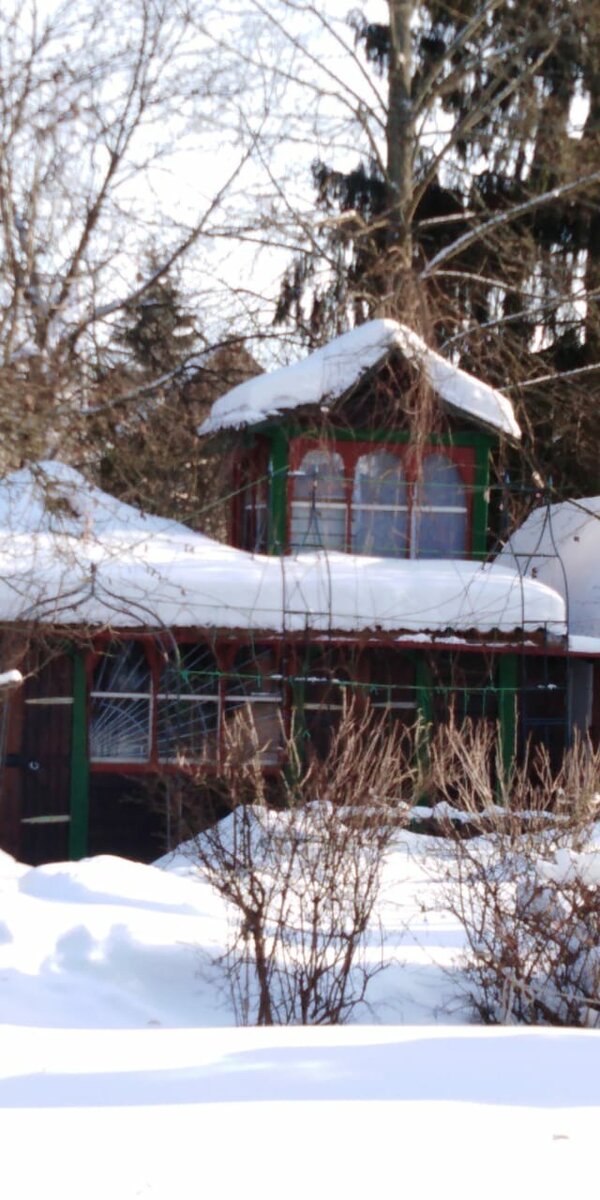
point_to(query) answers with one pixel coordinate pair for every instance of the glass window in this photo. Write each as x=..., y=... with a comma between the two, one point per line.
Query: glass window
x=318, y=510
x=465, y=688
x=120, y=716
x=254, y=692
x=439, y=518
x=187, y=717
x=392, y=690
x=325, y=692
x=380, y=506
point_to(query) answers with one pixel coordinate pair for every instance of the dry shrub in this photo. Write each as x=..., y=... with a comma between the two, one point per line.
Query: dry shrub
x=528, y=893
x=470, y=785
x=302, y=879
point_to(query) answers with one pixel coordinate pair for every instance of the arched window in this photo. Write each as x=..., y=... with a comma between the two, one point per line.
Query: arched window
x=318, y=510
x=121, y=705
x=187, y=716
x=439, y=516
x=254, y=692
x=380, y=506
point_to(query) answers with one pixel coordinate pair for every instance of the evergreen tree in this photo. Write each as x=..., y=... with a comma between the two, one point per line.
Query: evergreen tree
x=485, y=237
x=160, y=389
x=156, y=330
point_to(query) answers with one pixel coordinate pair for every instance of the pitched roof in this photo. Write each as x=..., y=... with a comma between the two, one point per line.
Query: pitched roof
x=327, y=373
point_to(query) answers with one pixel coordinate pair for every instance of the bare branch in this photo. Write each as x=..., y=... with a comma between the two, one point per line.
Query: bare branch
x=504, y=218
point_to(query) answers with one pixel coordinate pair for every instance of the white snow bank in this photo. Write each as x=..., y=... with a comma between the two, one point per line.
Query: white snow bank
x=559, y=544
x=329, y=372
x=105, y=989
x=330, y=1112
x=108, y=943
x=128, y=570
x=113, y=1036
x=569, y=865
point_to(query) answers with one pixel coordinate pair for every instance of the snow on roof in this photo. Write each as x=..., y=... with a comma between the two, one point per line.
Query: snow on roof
x=329, y=372
x=559, y=544
x=109, y=564
x=51, y=497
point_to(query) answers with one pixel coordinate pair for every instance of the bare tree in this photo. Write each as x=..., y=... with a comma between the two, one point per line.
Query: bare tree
x=102, y=108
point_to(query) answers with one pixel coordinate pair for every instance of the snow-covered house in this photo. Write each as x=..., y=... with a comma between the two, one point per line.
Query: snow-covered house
x=377, y=447
x=358, y=564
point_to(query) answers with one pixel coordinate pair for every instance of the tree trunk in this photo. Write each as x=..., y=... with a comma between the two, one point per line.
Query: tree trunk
x=400, y=138
x=590, y=150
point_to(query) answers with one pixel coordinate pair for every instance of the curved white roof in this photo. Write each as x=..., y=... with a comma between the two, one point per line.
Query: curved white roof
x=328, y=373
x=107, y=564
x=559, y=544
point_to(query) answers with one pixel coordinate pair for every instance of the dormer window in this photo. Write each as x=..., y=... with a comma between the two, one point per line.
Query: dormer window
x=319, y=506
x=380, y=508
x=382, y=502
x=439, y=510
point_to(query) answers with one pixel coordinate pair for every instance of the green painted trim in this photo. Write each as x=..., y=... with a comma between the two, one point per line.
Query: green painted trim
x=278, y=492
x=280, y=435
x=79, y=789
x=423, y=683
x=507, y=708
x=481, y=489
x=475, y=438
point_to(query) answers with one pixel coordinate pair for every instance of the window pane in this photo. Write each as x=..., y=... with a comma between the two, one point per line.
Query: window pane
x=320, y=476
x=441, y=535
x=254, y=672
x=187, y=729
x=187, y=718
x=254, y=695
x=318, y=509
x=379, y=479
x=255, y=517
x=464, y=687
x=441, y=484
x=123, y=667
x=379, y=506
x=119, y=729
x=255, y=528
x=392, y=691
x=317, y=527
x=440, y=518
x=190, y=671
x=380, y=532
x=324, y=697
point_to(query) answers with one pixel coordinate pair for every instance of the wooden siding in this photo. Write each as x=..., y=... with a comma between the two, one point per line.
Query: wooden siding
x=45, y=761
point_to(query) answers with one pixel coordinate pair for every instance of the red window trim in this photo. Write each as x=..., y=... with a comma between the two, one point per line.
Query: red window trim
x=225, y=657
x=250, y=487
x=463, y=457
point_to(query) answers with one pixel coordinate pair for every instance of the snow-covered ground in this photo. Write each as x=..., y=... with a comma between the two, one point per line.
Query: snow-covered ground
x=121, y=1075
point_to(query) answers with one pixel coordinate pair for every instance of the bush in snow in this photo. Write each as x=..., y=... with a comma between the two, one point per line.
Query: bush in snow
x=302, y=879
x=528, y=898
